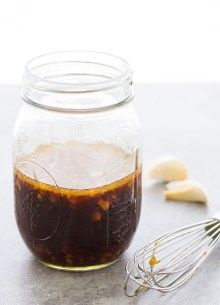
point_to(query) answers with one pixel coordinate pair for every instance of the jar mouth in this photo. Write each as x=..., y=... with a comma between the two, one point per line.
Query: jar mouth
x=77, y=81
x=76, y=71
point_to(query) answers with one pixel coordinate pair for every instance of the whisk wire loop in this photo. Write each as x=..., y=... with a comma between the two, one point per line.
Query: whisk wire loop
x=167, y=262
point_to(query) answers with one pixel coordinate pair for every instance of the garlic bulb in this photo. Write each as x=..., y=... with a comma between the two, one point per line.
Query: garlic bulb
x=168, y=169
x=186, y=190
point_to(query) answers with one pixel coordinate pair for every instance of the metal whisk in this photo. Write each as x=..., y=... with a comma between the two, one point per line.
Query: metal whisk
x=169, y=261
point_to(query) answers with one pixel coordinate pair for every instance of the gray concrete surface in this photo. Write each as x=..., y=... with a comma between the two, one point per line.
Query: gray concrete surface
x=183, y=120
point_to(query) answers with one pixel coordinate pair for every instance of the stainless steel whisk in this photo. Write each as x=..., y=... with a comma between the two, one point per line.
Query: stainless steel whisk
x=169, y=261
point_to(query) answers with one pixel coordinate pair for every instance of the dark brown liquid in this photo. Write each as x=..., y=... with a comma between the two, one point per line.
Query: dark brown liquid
x=77, y=205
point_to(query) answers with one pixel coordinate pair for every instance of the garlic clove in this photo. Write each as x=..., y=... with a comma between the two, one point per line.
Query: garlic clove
x=186, y=190
x=168, y=169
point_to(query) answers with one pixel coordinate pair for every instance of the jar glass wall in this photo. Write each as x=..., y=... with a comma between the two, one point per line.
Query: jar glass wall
x=77, y=160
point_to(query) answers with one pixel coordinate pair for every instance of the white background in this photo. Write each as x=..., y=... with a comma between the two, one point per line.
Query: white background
x=163, y=40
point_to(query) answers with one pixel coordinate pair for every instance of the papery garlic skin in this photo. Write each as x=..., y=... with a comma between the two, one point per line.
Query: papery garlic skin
x=186, y=190
x=168, y=169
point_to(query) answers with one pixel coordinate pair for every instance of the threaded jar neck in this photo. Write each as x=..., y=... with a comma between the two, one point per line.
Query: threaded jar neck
x=77, y=81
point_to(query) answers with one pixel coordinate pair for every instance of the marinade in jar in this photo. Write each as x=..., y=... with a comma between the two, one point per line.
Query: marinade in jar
x=77, y=205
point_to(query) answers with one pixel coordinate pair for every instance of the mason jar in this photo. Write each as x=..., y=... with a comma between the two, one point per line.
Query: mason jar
x=77, y=160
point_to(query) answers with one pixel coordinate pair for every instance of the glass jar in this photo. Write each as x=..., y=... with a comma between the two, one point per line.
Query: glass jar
x=77, y=166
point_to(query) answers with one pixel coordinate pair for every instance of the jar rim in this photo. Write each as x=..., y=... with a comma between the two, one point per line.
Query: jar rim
x=34, y=72
x=77, y=81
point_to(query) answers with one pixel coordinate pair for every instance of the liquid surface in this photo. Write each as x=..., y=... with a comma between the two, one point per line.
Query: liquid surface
x=78, y=166
x=77, y=205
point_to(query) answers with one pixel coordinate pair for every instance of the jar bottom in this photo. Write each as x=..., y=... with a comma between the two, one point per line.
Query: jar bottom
x=77, y=268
